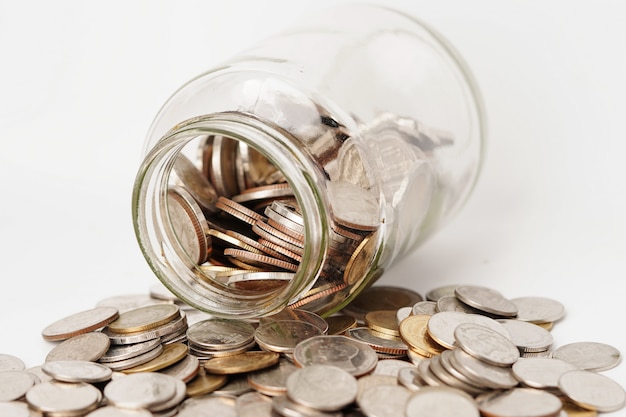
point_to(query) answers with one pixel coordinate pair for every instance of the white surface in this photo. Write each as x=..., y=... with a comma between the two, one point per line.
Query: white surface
x=80, y=84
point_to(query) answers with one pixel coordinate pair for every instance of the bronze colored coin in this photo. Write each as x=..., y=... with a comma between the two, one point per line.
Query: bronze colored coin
x=283, y=253
x=144, y=318
x=414, y=332
x=261, y=260
x=79, y=323
x=243, y=362
x=273, y=236
x=239, y=211
x=381, y=298
x=283, y=335
x=186, y=369
x=231, y=242
x=383, y=321
x=171, y=354
x=340, y=324
x=264, y=192
x=189, y=225
x=205, y=383
x=84, y=347
x=257, y=245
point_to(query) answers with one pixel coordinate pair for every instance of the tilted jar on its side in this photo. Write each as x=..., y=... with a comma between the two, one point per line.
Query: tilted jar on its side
x=297, y=172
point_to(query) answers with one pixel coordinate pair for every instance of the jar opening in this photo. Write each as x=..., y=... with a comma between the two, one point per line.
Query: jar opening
x=197, y=234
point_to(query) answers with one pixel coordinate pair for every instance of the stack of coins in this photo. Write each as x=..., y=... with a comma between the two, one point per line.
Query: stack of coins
x=455, y=362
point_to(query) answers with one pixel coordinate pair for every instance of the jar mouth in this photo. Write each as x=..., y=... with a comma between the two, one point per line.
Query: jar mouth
x=157, y=238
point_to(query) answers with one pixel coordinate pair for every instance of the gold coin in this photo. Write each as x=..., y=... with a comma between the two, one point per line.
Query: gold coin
x=361, y=261
x=243, y=362
x=573, y=410
x=144, y=318
x=383, y=321
x=340, y=324
x=171, y=354
x=414, y=332
x=205, y=383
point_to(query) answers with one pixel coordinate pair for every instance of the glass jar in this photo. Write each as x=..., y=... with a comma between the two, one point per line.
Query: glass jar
x=297, y=172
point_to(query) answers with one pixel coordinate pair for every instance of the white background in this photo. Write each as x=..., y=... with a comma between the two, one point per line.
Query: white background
x=80, y=83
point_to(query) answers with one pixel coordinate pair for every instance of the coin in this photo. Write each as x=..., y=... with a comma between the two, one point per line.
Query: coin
x=381, y=297
x=11, y=363
x=322, y=387
x=16, y=409
x=253, y=404
x=243, y=362
x=361, y=260
x=144, y=318
x=383, y=321
x=528, y=337
x=441, y=326
x=78, y=323
x=220, y=334
x=364, y=216
x=339, y=324
x=440, y=402
x=284, y=406
x=356, y=358
x=121, y=352
x=414, y=332
x=77, y=371
x=283, y=335
x=519, y=402
x=486, y=299
x=380, y=342
x=541, y=373
x=590, y=356
x=210, y=405
x=195, y=183
x=62, y=398
x=204, y=383
x=170, y=355
x=272, y=381
x=451, y=303
x=15, y=384
x=384, y=400
x=140, y=390
x=538, y=309
x=189, y=226
x=592, y=390
x=86, y=347
x=486, y=344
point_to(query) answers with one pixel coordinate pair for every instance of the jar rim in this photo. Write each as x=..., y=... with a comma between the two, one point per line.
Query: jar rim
x=150, y=215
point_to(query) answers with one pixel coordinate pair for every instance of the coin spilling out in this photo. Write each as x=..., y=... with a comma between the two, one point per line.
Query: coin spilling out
x=359, y=362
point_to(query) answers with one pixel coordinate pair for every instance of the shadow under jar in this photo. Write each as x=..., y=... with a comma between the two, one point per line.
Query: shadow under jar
x=297, y=172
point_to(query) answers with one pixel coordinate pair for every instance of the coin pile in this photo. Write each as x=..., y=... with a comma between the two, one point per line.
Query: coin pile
x=388, y=354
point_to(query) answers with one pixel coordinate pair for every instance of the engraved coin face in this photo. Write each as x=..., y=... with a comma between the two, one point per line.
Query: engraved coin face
x=486, y=299
x=322, y=387
x=79, y=323
x=362, y=216
x=58, y=398
x=171, y=354
x=538, y=309
x=441, y=402
x=528, y=337
x=190, y=228
x=14, y=409
x=414, y=332
x=384, y=400
x=111, y=411
x=85, y=347
x=486, y=344
x=592, y=390
x=11, y=363
x=144, y=318
x=284, y=335
x=272, y=381
x=220, y=334
x=77, y=371
x=590, y=356
x=208, y=406
x=356, y=358
x=141, y=390
x=482, y=373
x=519, y=402
x=541, y=373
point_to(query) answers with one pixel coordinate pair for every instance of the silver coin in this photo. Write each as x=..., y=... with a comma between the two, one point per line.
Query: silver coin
x=185, y=369
x=486, y=299
x=449, y=379
x=436, y=293
x=445, y=361
x=300, y=315
x=121, y=352
x=236, y=385
x=440, y=402
x=189, y=226
x=135, y=360
x=322, y=387
x=486, y=344
x=197, y=184
x=140, y=390
x=482, y=373
x=407, y=378
x=451, y=303
x=172, y=403
x=384, y=400
x=272, y=381
x=77, y=371
x=391, y=345
x=111, y=411
x=85, y=347
x=363, y=216
x=391, y=367
x=59, y=398
x=424, y=307
x=357, y=358
x=78, y=323
x=541, y=373
x=538, y=309
x=284, y=406
x=402, y=313
x=39, y=374
x=519, y=402
x=220, y=334
x=208, y=406
x=15, y=384
x=14, y=409
x=373, y=380
x=283, y=336
x=592, y=391
x=11, y=363
x=441, y=326
x=253, y=404
x=528, y=337
x=590, y=356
